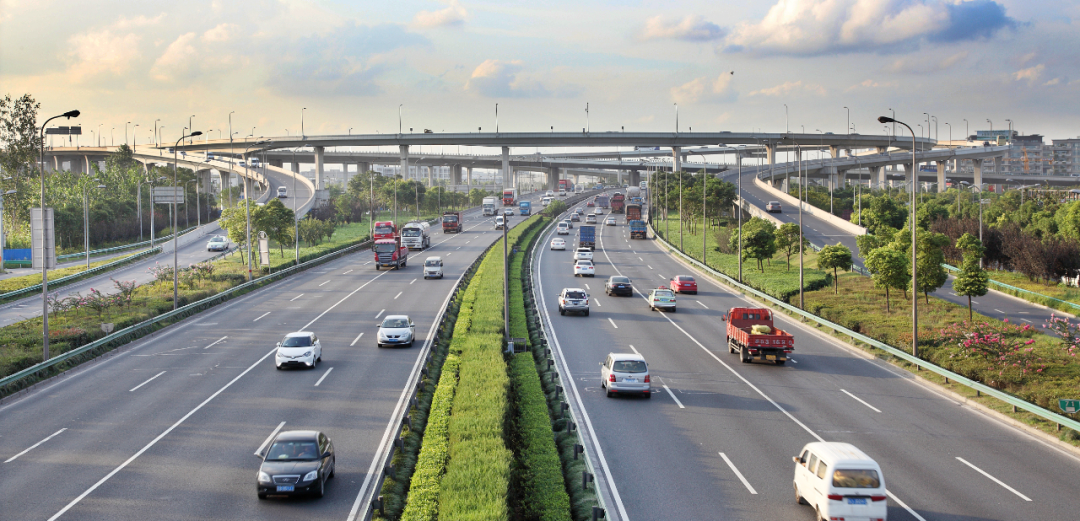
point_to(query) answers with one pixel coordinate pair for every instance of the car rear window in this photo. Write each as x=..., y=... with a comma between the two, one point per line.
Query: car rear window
x=584, y=262
x=856, y=478
x=622, y=280
x=685, y=278
x=575, y=294
x=663, y=293
x=296, y=341
x=629, y=366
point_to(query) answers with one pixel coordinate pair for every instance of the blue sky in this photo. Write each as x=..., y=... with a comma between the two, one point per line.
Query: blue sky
x=729, y=65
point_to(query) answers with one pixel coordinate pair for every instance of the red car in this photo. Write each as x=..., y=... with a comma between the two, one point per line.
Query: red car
x=684, y=284
x=590, y=204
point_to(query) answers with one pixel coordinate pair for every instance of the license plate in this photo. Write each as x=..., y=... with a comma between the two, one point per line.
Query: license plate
x=630, y=380
x=856, y=501
x=770, y=357
x=291, y=488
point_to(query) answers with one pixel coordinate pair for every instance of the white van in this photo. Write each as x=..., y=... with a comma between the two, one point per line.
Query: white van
x=282, y=192
x=840, y=481
x=500, y=221
x=545, y=201
x=433, y=267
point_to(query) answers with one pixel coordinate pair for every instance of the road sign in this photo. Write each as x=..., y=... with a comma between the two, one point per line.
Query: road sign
x=168, y=195
x=264, y=249
x=38, y=228
x=1069, y=406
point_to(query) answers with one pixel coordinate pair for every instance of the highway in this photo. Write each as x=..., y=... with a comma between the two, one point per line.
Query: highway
x=715, y=441
x=167, y=427
x=994, y=304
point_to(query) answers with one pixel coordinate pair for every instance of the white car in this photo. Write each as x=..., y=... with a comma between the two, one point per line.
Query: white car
x=500, y=221
x=573, y=300
x=622, y=373
x=558, y=244
x=599, y=211
x=590, y=219
x=300, y=349
x=610, y=221
x=839, y=481
x=583, y=254
x=550, y=193
x=584, y=268
x=563, y=228
x=508, y=211
x=396, y=330
x=433, y=267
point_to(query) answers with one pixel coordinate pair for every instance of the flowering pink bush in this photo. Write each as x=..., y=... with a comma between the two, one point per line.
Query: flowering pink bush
x=1000, y=346
x=1069, y=333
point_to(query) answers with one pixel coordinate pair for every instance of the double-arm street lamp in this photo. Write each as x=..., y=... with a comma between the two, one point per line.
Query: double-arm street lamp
x=44, y=245
x=914, y=242
x=175, y=244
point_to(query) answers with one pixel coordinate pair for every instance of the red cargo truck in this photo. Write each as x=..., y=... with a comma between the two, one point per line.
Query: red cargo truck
x=384, y=230
x=618, y=202
x=750, y=332
x=390, y=252
x=451, y=222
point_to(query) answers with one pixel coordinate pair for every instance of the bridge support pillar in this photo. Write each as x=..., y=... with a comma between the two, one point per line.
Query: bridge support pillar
x=834, y=151
x=203, y=183
x=977, y=175
x=676, y=159
x=635, y=177
x=997, y=165
x=882, y=150
x=468, y=176
x=455, y=175
x=941, y=175
x=553, y=178
x=507, y=181
x=911, y=176
x=276, y=163
x=576, y=178
x=770, y=154
x=403, y=151
x=878, y=180
x=319, y=185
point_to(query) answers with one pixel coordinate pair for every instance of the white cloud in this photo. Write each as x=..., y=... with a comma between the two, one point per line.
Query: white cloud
x=101, y=52
x=871, y=84
x=1030, y=74
x=692, y=28
x=138, y=21
x=790, y=87
x=509, y=79
x=177, y=59
x=700, y=89
x=453, y=14
x=220, y=33
x=1054, y=81
x=922, y=64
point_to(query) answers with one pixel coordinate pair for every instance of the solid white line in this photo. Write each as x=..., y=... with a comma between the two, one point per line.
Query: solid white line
x=737, y=473
x=347, y=272
x=398, y=295
x=612, y=323
x=702, y=304
x=296, y=297
x=413, y=280
x=323, y=376
x=380, y=313
x=146, y=382
x=258, y=451
x=677, y=402
x=324, y=283
x=860, y=400
x=260, y=316
x=158, y=438
x=34, y=446
x=216, y=342
x=357, y=339
x=992, y=478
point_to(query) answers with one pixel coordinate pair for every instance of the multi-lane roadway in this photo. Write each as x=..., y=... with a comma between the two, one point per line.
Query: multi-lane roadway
x=717, y=437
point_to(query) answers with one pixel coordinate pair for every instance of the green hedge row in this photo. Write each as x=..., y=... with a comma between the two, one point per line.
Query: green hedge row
x=424, y=486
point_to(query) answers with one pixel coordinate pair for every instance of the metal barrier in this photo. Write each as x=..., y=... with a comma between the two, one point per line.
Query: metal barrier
x=1008, y=287
x=120, y=248
x=133, y=332
x=979, y=387
x=19, y=293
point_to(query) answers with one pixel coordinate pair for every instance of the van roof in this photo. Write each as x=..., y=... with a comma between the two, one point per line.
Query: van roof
x=840, y=453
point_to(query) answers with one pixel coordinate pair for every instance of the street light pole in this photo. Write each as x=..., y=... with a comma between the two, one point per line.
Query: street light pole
x=44, y=247
x=848, y=118
x=914, y=242
x=303, y=135
x=176, y=260
x=786, y=128
x=738, y=159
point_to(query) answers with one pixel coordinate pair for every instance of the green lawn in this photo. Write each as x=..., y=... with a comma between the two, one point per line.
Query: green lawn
x=1058, y=291
x=17, y=283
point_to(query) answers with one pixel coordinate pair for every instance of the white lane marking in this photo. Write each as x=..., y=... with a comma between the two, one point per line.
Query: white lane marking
x=650, y=267
x=260, y=316
x=216, y=342
x=663, y=277
x=449, y=254
x=702, y=304
x=792, y=360
x=999, y=311
x=640, y=259
x=740, y=377
x=1026, y=320
x=413, y=280
x=976, y=302
x=398, y=295
x=860, y=400
x=323, y=376
x=366, y=263
x=146, y=382
x=347, y=272
x=737, y=473
x=468, y=241
x=458, y=248
x=296, y=297
x=355, y=340
x=380, y=313
x=677, y=402
x=343, y=299
x=159, y=437
x=992, y=478
x=1021, y=312
x=597, y=302
x=612, y=323
x=258, y=451
x=634, y=349
x=34, y=446
x=324, y=283
x=587, y=287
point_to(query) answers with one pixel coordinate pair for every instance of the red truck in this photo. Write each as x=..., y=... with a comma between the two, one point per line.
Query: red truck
x=390, y=252
x=751, y=333
x=384, y=230
x=451, y=222
x=618, y=202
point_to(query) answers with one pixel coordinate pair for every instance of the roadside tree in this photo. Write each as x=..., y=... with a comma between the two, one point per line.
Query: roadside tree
x=835, y=257
x=889, y=268
x=787, y=241
x=972, y=280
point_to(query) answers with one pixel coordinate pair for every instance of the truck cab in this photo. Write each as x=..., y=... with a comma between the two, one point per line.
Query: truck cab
x=390, y=252
x=751, y=333
x=384, y=230
x=451, y=222
x=416, y=236
x=525, y=208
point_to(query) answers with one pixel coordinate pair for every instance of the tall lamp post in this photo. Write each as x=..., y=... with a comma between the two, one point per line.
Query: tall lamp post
x=86, y=219
x=247, y=203
x=914, y=243
x=296, y=217
x=44, y=246
x=176, y=260
x=738, y=159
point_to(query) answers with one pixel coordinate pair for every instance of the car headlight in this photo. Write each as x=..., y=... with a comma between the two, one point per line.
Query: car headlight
x=311, y=476
x=264, y=477
x=307, y=353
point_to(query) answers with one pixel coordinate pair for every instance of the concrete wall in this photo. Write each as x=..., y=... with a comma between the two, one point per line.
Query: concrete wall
x=847, y=226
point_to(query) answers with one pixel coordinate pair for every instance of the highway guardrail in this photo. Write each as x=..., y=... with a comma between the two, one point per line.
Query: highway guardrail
x=1008, y=287
x=20, y=293
x=131, y=246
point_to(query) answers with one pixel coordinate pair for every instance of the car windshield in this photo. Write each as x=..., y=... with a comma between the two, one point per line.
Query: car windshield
x=449, y=218
x=620, y=280
x=386, y=247
x=663, y=293
x=431, y=263
x=296, y=341
x=856, y=478
x=302, y=450
x=410, y=233
x=383, y=230
x=575, y=294
x=629, y=366
x=395, y=323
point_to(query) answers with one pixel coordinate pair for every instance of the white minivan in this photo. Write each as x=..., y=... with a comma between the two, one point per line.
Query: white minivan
x=839, y=481
x=433, y=267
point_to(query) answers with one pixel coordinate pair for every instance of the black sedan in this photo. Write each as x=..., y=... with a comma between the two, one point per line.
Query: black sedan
x=297, y=463
x=618, y=285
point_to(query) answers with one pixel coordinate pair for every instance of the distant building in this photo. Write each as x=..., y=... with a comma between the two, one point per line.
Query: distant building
x=1065, y=157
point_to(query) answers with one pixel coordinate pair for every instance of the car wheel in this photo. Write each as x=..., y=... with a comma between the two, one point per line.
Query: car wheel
x=648, y=395
x=798, y=497
x=743, y=358
x=730, y=348
x=277, y=366
x=562, y=311
x=319, y=492
x=672, y=310
x=410, y=343
x=262, y=496
x=333, y=468
x=819, y=516
x=780, y=362
x=586, y=312
x=376, y=267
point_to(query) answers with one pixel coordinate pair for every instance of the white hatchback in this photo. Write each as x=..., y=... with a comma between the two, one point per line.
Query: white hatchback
x=300, y=349
x=584, y=268
x=558, y=244
x=622, y=373
x=563, y=229
x=583, y=254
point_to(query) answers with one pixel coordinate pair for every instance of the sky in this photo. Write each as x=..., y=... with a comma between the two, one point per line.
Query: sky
x=445, y=64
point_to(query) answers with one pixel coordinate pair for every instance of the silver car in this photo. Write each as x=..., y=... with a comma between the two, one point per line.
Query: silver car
x=573, y=300
x=625, y=373
x=396, y=330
